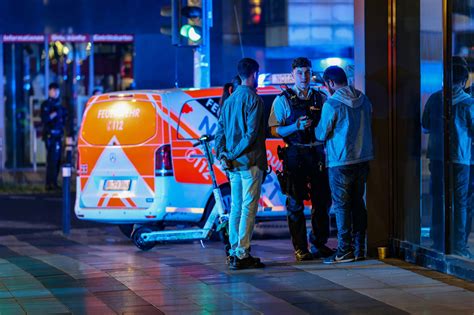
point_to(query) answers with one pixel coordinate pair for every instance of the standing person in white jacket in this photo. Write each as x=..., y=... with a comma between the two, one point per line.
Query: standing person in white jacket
x=345, y=127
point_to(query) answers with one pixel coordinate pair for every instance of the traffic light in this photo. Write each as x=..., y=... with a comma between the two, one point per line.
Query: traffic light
x=166, y=12
x=186, y=27
x=255, y=12
x=187, y=22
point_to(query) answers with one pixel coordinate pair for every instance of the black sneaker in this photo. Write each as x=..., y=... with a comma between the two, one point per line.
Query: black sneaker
x=303, y=255
x=359, y=258
x=248, y=262
x=321, y=251
x=340, y=257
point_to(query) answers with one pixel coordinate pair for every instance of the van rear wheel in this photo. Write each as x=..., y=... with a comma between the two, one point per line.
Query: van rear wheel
x=126, y=229
x=139, y=241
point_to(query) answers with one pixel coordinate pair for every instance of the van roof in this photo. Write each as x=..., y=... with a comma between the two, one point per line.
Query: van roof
x=218, y=90
x=159, y=91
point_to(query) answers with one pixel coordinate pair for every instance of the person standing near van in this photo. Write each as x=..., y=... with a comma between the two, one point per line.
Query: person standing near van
x=345, y=127
x=53, y=119
x=293, y=117
x=240, y=146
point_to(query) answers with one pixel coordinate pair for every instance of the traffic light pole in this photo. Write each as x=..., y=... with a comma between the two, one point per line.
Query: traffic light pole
x=202, y=54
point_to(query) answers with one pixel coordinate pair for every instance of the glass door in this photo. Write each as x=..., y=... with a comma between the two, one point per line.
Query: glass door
x=24, y=89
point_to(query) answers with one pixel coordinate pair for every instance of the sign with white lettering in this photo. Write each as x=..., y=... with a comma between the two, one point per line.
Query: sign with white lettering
x=73, y=38
x=23, y=38
x=112, y=38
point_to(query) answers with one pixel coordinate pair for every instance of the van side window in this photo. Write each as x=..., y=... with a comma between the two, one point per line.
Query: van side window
x=267, y=101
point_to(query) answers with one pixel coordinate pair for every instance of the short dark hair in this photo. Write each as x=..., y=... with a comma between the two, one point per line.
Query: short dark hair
x=460, y=74
x=53, y=85
x=301, y=62
x=336, y=74
x=246, y=67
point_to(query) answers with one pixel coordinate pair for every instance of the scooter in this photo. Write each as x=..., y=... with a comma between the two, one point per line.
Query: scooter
x=145, y=238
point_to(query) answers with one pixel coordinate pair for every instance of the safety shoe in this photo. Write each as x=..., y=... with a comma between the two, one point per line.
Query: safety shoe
x=340, y=257
x=303, y=255
x=321, y=251
x=248, y=262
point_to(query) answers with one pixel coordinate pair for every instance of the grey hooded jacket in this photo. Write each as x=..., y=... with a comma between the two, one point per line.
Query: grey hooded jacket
x=345, y=126
x=463, y=128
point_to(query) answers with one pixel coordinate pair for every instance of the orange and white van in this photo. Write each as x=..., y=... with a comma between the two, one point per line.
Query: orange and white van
x=137, y=164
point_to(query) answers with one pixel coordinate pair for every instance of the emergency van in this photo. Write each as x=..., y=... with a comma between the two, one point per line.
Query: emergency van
x=137, y=164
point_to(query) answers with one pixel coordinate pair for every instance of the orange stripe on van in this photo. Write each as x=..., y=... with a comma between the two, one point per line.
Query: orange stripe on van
x=141, y=156
x=211, y=92
x=89, y=155
x=166, y=132
x=116, y=201
x=150, y=182
x=184, y=126
x=103, y=98
x=130, y=201
x=141, y=97
x=83, y=182
x=157, y=99
x=101, y=200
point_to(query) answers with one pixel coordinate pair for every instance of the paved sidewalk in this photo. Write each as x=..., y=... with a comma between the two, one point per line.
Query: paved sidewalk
x=98, y=271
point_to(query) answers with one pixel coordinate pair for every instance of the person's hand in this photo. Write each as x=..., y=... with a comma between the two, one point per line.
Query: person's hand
x=303, y=123
x=224, y=160
x=226, y=164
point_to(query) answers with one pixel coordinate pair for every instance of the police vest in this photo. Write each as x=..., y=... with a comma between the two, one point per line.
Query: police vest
x=298, y=108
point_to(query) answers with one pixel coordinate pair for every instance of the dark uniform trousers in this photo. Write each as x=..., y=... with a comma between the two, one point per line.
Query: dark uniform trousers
x=309, y=179
x=53, y=159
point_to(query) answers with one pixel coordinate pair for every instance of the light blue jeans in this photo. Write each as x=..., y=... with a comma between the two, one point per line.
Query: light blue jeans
x=245, y=192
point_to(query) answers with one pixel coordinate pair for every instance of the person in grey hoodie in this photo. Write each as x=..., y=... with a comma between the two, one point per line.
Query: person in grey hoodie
x=345, y=126
x=433, y=124
x=460, y=148
x=462, y=132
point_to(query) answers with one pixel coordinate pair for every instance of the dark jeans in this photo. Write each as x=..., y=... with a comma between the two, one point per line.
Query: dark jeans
x=53, y=160
x=308, y=174
x=437, y=204
x=348, y=189
x=462, y=212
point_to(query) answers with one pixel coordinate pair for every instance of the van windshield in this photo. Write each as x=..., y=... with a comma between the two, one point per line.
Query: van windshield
x=125, y=122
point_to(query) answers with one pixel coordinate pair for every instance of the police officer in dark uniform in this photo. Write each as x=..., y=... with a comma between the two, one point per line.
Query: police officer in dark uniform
x=53, y=119
x=294, y=115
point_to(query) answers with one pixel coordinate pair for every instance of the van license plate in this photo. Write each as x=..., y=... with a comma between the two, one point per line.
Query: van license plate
x=114, y=184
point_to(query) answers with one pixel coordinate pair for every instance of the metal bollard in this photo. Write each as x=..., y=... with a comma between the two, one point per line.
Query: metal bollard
x=69, y=144
x=66, y=171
